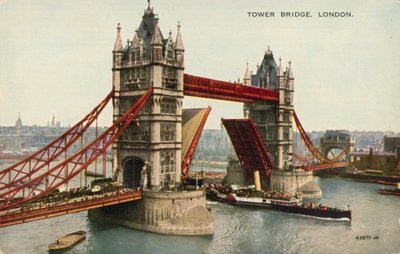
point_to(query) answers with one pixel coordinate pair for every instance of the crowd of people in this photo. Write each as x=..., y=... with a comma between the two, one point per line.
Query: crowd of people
x=98, y=187
x=251, y=192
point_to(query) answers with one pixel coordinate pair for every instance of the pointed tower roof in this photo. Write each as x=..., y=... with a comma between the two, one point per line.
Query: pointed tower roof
x=137, y=39
x=157, y=37
x=247, y=74
x=268, y=51
x=290, y=71
x=118, y=42
x=280, y=69
x=149, y=10
x=178, y=41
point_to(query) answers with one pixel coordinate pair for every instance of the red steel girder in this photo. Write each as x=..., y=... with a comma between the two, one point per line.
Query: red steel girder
x=68, y=169
x=18, y=217
x=192, y=148
x=315, y=151
x=216, y=89
x=27, y=168
x=248, y=145
x=307, y=141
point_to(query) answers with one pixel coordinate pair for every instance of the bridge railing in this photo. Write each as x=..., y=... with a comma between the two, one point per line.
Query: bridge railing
x=70, y=206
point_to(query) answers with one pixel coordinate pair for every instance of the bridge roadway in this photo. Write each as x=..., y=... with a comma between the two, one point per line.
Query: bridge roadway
x=68, y=206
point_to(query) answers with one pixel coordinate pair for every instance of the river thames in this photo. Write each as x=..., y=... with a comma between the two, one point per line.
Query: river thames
x=375, y=228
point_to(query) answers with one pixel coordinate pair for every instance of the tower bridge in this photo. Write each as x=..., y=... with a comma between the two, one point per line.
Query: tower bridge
x=153, y=140
x=337, y=139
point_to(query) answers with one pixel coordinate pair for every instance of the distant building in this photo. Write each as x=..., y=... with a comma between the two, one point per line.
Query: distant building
x=20, y=139
x=385, y=161
x=214, y=145
x=18, y=125
x=391, y=144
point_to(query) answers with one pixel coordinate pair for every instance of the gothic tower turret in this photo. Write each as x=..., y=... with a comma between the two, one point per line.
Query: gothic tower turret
x=273, y=120
x=149, y=152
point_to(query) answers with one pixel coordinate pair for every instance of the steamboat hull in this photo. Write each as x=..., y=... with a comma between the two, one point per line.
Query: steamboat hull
x=293, y=209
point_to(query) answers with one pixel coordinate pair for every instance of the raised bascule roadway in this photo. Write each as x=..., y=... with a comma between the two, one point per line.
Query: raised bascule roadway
x=154, y=134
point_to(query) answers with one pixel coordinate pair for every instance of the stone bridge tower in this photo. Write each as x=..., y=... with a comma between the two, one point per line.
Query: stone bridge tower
x=274, y=123
x=273, y=120
x=149, y=151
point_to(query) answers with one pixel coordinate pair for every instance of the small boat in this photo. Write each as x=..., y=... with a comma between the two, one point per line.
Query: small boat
x=386, y=183
x=395, y=191
x=283, y=202
x=67, y=241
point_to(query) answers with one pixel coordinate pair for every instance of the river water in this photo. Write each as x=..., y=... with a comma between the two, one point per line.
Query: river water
x=237, y=230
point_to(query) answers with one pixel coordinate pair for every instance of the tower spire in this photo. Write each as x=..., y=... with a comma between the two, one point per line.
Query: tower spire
x=149, y=10
x=118, y=42
x=290, y=71
x=280, y=69
x=247, y=76
x=178, y=41
x=156, y=39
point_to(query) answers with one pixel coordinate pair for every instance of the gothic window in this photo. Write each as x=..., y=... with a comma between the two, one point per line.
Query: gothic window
x=286, y=117
x=170, y=53
x=126, y=105
x=262, y=131
x=167, y=162
x=168, y=105
x=287, y=97
x=263, y=116
x=270, y=134
x=146, y=109
x=133, y=57
x=254, y=115
x=168, y=131
x=130, y=132
x=271, y=117
x=169, y=77
x=140, y=131
x=157, y=54
x=137, y=55
x=124, y=76
x=144, y=131
x=286, y=133
x=285, y=153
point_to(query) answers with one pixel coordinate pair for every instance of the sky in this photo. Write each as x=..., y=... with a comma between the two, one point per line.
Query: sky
x=55, y=56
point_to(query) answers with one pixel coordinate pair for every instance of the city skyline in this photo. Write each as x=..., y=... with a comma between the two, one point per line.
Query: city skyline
x=345, y=68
